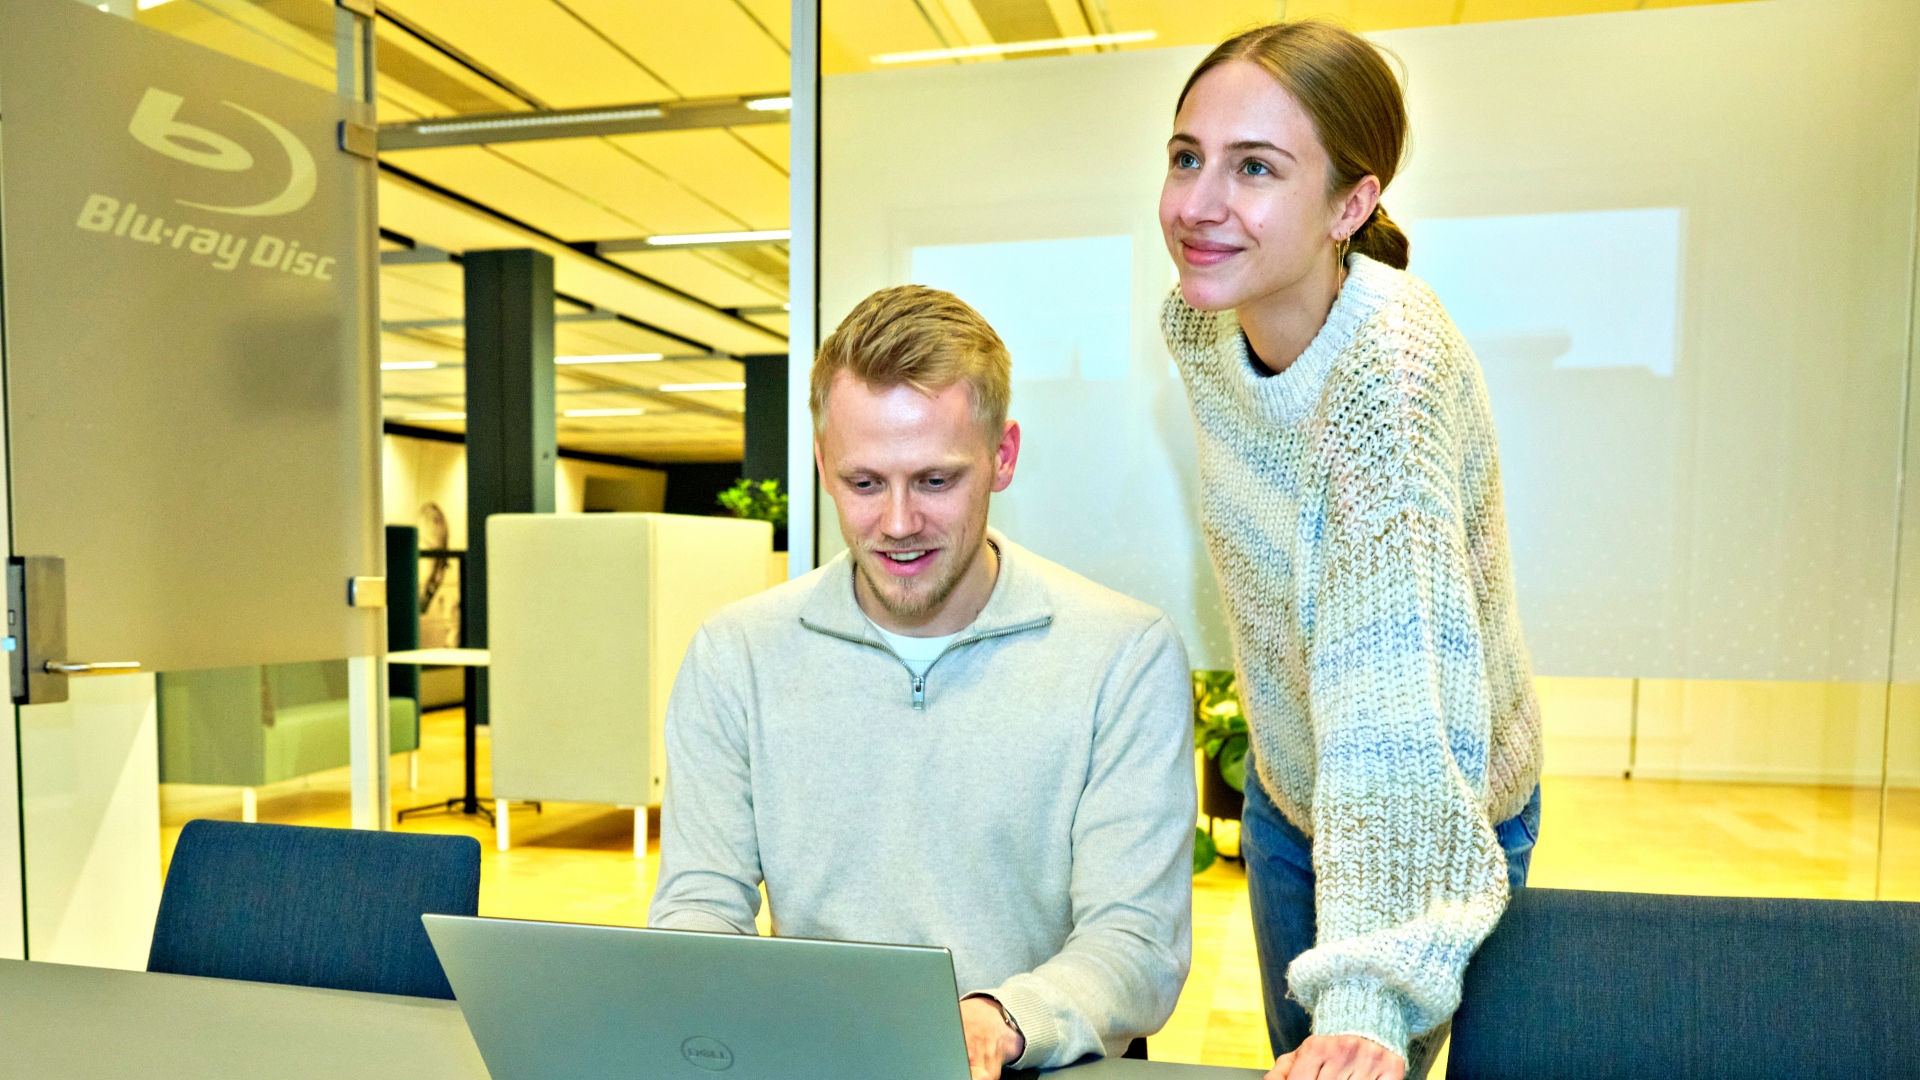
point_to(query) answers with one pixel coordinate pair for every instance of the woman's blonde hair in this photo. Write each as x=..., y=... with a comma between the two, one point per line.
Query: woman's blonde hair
x=1358, y=111
x=924, y=338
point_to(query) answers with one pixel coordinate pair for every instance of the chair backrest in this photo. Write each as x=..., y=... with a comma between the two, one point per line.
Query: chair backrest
x=337, y=908
x=1627, y=985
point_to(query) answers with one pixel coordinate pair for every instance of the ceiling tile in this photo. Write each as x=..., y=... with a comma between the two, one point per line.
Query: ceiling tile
x=719, y=168
x=700, y=48
x=538, y=45
x=636, y=190
x=515, y=189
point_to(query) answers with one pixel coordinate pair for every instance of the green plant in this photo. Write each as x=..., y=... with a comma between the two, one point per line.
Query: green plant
x=1204, y=851
x=756, y=500
x=1219, y=727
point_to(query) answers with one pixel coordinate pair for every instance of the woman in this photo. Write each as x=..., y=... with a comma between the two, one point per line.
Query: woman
x=1351, y=504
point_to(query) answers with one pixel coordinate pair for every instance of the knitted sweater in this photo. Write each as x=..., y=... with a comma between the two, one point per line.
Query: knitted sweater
x=1351, y=505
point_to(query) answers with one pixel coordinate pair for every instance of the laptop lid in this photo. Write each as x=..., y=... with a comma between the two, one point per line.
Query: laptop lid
x=559, y=1001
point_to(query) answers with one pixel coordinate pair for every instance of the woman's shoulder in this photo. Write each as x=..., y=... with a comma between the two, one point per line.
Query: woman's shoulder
x=1408, y=345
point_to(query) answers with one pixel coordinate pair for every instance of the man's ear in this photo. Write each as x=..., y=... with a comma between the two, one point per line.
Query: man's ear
x=1006, y=455
x=820, y=462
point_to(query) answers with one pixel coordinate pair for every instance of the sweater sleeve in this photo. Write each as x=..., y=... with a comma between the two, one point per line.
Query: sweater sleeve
x=1410, y=876
x=709, y=852
x=1120, y=972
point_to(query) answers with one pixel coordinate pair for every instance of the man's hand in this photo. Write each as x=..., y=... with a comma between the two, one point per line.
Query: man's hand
x=991, y=1044
x=1337, y=1057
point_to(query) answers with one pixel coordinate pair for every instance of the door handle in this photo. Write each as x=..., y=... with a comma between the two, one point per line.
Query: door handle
x=104, y=667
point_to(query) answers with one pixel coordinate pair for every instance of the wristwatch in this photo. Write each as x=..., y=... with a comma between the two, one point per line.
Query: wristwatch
x=1004, y=1014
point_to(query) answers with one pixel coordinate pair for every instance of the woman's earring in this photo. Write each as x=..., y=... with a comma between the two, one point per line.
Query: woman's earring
x=1340, y=248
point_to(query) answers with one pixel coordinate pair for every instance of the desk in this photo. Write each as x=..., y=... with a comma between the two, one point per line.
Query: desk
x=80, y=1023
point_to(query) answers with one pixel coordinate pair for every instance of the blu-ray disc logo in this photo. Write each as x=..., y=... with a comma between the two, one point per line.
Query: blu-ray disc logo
x=156, y=127
x=709, y=1054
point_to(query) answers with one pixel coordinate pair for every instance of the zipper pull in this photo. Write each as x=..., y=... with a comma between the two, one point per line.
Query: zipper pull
x=920, y=692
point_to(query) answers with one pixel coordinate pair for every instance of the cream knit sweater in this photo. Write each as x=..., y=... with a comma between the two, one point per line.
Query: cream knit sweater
x=1352, y=508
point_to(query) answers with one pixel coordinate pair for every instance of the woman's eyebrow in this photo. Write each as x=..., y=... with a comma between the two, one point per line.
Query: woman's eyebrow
x=1261, y=144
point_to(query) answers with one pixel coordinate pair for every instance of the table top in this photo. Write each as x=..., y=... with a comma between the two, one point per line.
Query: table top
x=82, y=1023
x=446, y=657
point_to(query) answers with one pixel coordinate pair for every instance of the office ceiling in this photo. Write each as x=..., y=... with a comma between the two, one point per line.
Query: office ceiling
x=698, y=309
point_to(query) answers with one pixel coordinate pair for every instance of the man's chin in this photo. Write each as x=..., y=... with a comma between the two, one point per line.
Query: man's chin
x=906, y=598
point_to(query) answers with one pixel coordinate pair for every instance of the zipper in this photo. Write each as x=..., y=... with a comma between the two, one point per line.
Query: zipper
x=920, y=691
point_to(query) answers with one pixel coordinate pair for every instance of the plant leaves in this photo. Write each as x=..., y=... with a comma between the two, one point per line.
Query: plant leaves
x=1204, y=851
x=1233, y=763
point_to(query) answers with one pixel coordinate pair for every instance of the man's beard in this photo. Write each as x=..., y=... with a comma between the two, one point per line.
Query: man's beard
x=908, y=609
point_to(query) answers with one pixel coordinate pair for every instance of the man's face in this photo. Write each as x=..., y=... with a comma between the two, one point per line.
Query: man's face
x=910, y=474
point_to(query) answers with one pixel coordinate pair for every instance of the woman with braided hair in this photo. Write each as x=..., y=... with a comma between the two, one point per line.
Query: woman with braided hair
x=1350, y=499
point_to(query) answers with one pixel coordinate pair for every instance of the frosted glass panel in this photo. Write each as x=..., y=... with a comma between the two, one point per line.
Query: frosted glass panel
x=1061, y=306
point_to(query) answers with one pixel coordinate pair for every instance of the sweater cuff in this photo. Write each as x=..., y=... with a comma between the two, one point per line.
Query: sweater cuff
x=1362, y=1007
x=1037, y=1025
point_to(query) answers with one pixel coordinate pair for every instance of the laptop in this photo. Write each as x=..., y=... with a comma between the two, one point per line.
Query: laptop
x=562, y=1001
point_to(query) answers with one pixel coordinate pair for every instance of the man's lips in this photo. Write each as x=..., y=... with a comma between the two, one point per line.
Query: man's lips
x=910, y=562
x=1202, y=253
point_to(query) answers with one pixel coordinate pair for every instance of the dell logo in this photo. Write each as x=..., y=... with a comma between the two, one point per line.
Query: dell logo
x=156, y=129
x=709, y=1054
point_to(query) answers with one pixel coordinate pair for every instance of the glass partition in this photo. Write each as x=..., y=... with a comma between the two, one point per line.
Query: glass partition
x=1681, y=243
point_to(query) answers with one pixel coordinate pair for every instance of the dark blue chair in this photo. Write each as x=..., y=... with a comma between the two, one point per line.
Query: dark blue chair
x=338, y=908
x=1631, y=986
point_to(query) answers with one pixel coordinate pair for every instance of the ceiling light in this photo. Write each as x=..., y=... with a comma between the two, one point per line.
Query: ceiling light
x=611, y=358
x=701, y=387
x=770, y=104
x=647, y=112
x=604, y=412
x=435, y=416
x=144, y=4
x=751, y=236
x=407, y=365
x=1009, y=48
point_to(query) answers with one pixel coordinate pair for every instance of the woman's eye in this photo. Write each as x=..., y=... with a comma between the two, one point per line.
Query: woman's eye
x=1186, y=160
x=1255, y=168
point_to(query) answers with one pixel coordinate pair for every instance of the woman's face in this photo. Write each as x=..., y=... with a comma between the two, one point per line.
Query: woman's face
x=1245, y=209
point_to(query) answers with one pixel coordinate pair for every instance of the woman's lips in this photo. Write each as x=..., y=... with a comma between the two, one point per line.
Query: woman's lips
x=1206, y=254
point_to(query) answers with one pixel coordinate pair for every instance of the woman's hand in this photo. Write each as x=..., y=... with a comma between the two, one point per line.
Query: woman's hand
x=1339, y=1057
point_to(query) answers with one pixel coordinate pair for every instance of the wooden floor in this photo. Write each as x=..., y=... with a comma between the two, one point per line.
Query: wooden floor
x=575, y=863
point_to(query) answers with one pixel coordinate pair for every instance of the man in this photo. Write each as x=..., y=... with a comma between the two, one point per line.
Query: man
x=939, y=738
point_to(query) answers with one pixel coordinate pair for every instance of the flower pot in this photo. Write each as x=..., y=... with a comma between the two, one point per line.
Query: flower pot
x=1218, y=799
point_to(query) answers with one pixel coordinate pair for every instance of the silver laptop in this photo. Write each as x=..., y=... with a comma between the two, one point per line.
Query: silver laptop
x=559, y=1001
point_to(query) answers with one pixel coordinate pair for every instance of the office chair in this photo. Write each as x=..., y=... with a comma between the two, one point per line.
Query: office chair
x=336, y=908
x=1625, y=986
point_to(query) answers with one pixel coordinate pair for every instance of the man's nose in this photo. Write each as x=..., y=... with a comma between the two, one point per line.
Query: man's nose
x=901, y=519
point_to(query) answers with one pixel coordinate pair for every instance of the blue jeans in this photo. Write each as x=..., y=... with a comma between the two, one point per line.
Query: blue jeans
x=1280, y=885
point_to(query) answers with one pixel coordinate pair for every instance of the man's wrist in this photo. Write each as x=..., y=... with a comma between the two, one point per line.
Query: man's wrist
x=1013, y=1026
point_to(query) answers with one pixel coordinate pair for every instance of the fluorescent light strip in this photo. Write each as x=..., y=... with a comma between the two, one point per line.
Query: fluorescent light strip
x=539, y=121
x=1009, y=48
x=603, y=412
x=700, y=387
x=771, y=104
x=435, y=416
x=612, y=358
x=407, y=365
x=761, y=236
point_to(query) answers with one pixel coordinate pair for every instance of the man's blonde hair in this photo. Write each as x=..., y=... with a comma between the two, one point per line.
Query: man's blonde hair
x=924, y=338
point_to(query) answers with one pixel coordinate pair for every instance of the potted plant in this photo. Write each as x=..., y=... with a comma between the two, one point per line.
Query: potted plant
x=1220, y=732
x=759, y=500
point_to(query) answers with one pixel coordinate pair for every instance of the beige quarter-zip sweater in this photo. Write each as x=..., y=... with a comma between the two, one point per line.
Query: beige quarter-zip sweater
x=1027, y=803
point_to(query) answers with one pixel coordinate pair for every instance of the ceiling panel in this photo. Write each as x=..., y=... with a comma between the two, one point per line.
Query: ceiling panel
x=596, y=338
x=773, y=140
x=854, y=31
x=421, y=291
x=700, y=48
x=706, y=275
x=775, y=15
x=632, y=188
x=537, y=45
x=716, y=165
x=515, y=189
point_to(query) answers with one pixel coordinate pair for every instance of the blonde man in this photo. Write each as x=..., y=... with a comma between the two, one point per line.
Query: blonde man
x=939, y=738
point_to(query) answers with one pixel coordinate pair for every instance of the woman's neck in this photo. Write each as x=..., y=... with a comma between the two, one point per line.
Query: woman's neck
x=1280, y=325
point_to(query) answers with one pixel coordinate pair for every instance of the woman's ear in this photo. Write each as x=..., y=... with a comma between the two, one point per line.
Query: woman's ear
x=1355, y=207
